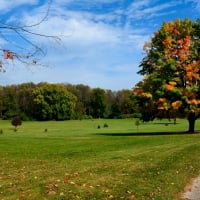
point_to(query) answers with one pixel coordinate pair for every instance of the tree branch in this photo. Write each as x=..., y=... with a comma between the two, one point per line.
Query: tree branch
x=22, y=32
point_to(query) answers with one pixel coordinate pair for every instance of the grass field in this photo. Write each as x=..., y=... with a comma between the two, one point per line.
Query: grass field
x=76, y=160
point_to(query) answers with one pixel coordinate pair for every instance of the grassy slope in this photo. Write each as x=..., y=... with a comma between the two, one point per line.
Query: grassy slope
x=75, y=160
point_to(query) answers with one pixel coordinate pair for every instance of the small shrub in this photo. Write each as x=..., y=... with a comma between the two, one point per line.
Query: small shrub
x=1, y=131
x=98, y=126
x=137, y=122
x=105, y=125
x=45, y=130
x=86, y=117
x=16, y=121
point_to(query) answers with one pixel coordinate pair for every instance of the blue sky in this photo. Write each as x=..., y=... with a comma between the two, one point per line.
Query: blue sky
x=102, y=40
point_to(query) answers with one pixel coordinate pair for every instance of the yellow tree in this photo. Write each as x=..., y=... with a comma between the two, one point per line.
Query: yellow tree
x=171, y=70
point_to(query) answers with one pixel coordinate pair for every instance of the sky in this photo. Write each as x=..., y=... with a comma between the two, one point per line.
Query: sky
x=101, y=41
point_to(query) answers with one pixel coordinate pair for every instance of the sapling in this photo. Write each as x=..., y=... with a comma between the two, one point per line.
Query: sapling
x=16, y=121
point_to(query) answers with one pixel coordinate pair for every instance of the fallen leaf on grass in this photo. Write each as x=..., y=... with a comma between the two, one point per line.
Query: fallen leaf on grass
x=50, y=193
x=61, y=194
x=132, y=197
x=72, y=183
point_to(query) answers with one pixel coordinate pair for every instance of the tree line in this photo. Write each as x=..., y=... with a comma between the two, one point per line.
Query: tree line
x=45, y=101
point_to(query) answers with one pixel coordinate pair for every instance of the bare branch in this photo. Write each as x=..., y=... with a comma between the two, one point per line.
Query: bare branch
x=29, y=55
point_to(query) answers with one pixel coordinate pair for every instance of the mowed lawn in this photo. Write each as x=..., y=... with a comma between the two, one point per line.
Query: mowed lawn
x=76, y=160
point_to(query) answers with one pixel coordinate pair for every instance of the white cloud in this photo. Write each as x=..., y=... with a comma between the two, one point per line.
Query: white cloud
x=101, y=39
x=84, y=31
x=85, y=2
x=7, y=5
x=195, y=2
x=144, y=9
x=85, y=28
x=96, y=51
x=139, y=4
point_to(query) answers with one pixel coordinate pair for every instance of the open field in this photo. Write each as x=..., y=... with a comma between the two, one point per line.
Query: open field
x=76, y=160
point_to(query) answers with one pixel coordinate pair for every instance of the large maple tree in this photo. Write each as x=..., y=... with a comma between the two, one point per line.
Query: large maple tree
x=171, y=70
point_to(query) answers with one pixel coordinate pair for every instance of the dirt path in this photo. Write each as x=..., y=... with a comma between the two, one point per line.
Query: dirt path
x=192, y=191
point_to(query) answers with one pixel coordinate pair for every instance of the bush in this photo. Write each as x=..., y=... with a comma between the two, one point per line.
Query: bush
x=16, y=121
x=137, y=122
x=105, y=125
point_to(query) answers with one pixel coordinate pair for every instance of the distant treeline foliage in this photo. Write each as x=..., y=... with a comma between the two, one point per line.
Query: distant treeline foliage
x=45, y=101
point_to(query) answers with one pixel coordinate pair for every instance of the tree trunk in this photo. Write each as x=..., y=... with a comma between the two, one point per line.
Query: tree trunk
x=191, y=120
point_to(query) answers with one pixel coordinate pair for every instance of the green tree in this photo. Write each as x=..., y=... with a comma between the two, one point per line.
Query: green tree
x=53, y=101
x=98, y=102
x=1, y=102
x=127, y=102
x=110, y=100
x=171, y=70
x=115, y=111
x=17, y=99
x=10, y=101
x=24, y=94
x=123, y=104
x=82, y=92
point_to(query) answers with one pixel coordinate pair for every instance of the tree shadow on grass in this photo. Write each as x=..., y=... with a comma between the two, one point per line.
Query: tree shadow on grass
x=160, y=123
x=149, y=133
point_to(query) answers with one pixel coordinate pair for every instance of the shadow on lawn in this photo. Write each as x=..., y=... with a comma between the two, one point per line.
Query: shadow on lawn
x=160, y=123
x=148, y=133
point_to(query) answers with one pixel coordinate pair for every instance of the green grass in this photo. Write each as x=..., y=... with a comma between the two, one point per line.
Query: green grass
x=76, y=160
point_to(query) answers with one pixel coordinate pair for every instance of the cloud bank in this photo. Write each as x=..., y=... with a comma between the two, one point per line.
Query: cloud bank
x=102, y=40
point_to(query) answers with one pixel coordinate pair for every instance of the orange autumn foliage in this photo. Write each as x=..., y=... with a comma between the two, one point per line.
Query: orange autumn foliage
x=193, y=102
x=169, y=87
x=187, y=40
x=167, y=42
x=192, y=71
x=185, y=48
x=180, y=42
x=170, y=27
x=176, y=32
x=176, y=104
x=162, y=100
x=8, y=54
x=189, y=76
x=163, y=106
x=175, y=52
